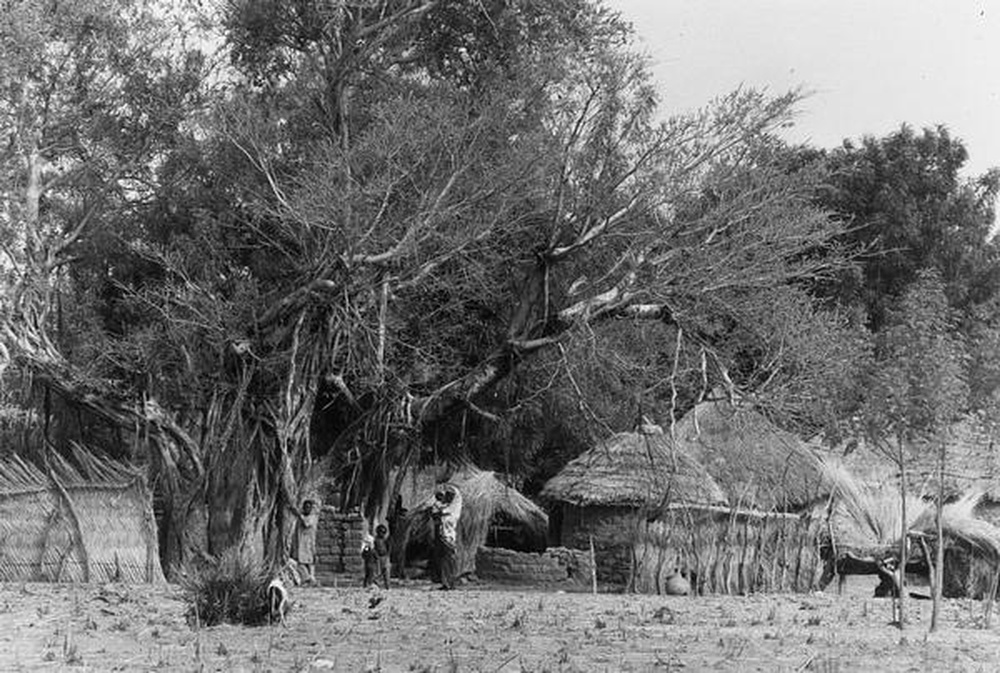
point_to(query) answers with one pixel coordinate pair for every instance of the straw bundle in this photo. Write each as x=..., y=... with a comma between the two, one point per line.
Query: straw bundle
x=634, y=470
x=865, y=521
x=92, y=522
x=484, y=497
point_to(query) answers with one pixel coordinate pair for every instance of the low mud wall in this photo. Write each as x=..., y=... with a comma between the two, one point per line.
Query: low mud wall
x=553, y=566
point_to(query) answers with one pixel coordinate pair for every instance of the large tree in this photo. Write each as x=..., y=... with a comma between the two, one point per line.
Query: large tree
x=393, y=208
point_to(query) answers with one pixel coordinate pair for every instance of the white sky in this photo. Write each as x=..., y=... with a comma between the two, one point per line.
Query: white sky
x=870, y=65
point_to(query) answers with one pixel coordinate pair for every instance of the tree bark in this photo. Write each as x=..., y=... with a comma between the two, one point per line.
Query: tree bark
x=939, y=530
x=903, y=530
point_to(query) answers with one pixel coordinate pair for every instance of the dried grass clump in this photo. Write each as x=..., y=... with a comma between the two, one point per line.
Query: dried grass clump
x=231, y=590
x=484, y=496
x=866, y=517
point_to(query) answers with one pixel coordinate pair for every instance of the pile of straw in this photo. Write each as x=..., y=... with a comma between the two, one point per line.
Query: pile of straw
x=484, y=497
x=866, y=521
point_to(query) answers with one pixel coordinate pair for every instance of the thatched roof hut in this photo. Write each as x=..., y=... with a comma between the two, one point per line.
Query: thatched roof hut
x=91, y=522
x=865, y=526
x=634, y=469
x=972, y=463
x=757, y=464
x=485, y=500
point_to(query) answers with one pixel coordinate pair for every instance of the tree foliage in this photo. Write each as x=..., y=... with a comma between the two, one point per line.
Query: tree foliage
x=397, y=230
x=910, y=210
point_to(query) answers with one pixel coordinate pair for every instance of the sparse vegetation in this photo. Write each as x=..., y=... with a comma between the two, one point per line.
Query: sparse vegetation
x=233, y=591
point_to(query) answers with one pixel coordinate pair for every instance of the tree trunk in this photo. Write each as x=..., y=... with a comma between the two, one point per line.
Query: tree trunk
x=939, y=551
x=903, y=531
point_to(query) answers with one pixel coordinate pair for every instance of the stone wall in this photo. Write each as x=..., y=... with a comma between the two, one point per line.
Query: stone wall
x=553, y=566
x=338, y=546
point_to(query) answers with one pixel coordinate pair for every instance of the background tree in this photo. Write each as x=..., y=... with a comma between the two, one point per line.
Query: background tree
x=917, y=391
x=909, y=210
x=83, y=114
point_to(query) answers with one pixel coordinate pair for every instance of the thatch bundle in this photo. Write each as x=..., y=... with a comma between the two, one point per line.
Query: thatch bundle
x=757, y=464
x=634, y=470
x=484, y=498
x=865, y=522
x=88, y=522
x=970, y=463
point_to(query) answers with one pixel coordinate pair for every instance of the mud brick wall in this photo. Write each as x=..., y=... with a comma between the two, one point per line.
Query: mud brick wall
x=338, y=545
x=558, y=565
x=612, y=529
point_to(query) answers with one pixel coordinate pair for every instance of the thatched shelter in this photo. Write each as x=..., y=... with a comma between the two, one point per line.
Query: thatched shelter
x=607, y=494
x=633, y=470
x=864, y=529
x=972, y=462
x=490, y=509
x=92, y=522
x=758, y=465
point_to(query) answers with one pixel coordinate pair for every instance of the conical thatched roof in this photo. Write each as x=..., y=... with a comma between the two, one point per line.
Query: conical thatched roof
x=484, y=496
x=972, y=462
x=634, y=470
x=757, y=464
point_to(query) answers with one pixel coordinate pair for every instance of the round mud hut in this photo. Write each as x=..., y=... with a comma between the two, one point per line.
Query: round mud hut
x=607, y=495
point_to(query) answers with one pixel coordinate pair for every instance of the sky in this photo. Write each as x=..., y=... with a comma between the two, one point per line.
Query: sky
x=870, y=66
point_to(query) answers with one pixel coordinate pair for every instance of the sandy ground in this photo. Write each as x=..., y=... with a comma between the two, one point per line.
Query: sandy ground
x=129, y=628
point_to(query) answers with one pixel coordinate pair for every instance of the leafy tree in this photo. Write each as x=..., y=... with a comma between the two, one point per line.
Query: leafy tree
x=83, y=88
x=379, y=225
x=918, y=390
x=909, y=210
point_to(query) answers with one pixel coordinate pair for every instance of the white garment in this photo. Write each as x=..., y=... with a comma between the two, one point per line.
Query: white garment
x=450, y=514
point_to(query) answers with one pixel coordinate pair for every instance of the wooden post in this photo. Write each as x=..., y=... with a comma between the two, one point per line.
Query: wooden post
x=593, y=567
x=992, y=596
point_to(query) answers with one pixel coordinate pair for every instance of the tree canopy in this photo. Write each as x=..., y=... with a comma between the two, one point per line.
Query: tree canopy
x=384, y=232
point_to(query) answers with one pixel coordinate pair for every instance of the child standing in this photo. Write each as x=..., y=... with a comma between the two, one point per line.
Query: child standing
x=446, y=511
x=381, y=549
x=369, y=558
x=304, y=549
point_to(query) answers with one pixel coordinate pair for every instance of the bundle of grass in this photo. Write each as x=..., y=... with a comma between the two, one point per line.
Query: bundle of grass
x=867, y=517
x=865, y=528
x=485, y=500
x=232, y=589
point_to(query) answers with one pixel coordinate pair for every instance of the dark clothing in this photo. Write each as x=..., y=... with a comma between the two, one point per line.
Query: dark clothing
x=371, y=566
x=377, y=563
x=446, y=562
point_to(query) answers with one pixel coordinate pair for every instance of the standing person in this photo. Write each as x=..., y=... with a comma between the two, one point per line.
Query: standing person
x=381, y=549
x=304, y=549
x=446, y=510
x=369, y=558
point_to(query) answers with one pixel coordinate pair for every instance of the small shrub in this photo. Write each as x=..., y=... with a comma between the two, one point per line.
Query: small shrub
x=233, y=590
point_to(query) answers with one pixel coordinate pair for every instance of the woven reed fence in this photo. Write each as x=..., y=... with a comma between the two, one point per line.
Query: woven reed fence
x=90, y=523
x=729, y=551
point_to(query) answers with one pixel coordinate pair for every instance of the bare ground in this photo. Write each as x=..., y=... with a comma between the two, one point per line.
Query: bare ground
x=126, y=628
